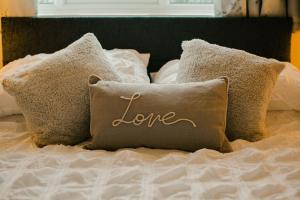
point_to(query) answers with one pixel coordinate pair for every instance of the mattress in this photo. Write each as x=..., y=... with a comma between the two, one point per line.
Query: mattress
x=267, y=169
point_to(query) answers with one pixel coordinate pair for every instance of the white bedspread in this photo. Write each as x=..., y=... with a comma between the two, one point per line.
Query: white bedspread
x=268, y=169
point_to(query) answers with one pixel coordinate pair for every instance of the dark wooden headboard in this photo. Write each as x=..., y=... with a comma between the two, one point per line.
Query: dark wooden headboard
x=160, y=36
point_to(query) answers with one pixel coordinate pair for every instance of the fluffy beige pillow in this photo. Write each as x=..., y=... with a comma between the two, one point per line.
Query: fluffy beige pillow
x=251, y=80
x=129, y=64
x=8, y=105
x=53, y=93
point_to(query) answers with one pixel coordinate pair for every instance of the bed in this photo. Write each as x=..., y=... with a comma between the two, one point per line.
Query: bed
x=267, y=169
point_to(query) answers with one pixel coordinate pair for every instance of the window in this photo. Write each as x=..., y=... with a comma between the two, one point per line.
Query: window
x=126, y=7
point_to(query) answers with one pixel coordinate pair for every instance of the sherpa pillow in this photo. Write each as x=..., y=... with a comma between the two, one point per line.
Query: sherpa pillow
x=53, y=94
x=251, y=77
x=129, y=64
x=185, y=117
x=285, y=95
x=8, y=105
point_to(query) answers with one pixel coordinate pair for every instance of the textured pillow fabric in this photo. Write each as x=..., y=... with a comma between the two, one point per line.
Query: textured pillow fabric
x=251, y=78
x=286, y=93
x=53, y=94
x=130, y=65
x=184, y=117
x=8, y=105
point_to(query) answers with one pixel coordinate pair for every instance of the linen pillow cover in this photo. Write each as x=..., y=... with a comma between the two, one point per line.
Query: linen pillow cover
x=167, y=73
x=186, y=117
x=53, y=94
x=251, y=77
x=286, y=93
x=130, y=65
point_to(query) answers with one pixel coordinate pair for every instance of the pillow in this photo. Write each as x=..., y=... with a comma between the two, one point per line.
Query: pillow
x=251, y=77
x=53, y=93
x=286, y=93
x=128, y=63
x=167, y=73
x=185, y=117
x=8, y=105
x=145, y=57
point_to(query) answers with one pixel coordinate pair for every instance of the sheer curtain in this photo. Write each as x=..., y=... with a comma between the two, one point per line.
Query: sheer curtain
x=16, y=8
x=225, y=8
x=286, y=8
x=270, y=8
x=282, y=8
x=259, y=8
x=222, y=8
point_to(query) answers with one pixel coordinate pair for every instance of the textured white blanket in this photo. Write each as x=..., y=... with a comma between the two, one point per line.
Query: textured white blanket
x=268, y=169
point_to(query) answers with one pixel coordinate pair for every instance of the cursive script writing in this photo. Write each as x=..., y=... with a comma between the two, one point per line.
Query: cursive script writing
x=139, y=119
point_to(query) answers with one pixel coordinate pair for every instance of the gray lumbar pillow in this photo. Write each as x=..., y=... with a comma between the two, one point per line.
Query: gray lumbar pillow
x=251, y=78
x=177, y=116
x=53, y=94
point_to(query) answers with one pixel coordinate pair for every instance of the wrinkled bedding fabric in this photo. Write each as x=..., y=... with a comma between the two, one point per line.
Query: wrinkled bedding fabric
x=267, y=169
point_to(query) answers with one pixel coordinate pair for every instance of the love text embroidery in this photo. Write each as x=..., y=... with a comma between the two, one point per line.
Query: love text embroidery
x=139, y=119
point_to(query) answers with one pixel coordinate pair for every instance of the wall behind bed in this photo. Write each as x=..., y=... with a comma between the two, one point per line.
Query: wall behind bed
x=15, y=8
x=295, y=49
x=161, y=36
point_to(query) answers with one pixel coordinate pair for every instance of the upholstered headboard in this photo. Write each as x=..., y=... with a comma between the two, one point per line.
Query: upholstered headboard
x=160, y=36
